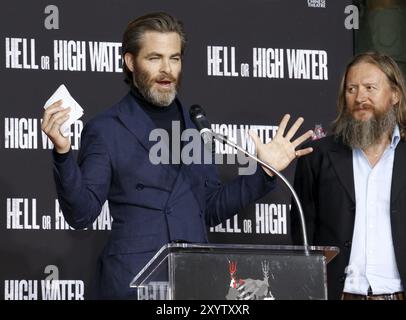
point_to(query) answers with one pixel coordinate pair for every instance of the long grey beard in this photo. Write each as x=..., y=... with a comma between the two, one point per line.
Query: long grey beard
x=363, y=134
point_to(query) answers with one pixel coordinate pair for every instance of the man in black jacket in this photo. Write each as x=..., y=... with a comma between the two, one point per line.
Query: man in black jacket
x=351, y=185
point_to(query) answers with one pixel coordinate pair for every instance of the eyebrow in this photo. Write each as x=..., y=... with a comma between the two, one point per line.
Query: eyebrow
x=364, y=84
x=153, y=54
x=160, y=54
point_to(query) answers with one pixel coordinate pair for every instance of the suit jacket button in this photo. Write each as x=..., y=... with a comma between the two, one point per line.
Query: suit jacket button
x=342, y=279
x=347, y=244
x=139, y=186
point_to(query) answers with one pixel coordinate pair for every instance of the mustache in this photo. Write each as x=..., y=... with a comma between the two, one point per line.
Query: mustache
x=363, y=106
x=167, y=77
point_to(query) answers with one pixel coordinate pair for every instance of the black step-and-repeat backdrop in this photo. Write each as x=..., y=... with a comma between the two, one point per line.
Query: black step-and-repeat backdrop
x=247, y=63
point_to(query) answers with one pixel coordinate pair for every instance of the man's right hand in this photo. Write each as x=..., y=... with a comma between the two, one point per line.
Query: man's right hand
x=54, y=117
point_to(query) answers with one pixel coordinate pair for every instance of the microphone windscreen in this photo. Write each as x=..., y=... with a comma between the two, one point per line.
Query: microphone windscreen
x=196, y=110
x=198, y=116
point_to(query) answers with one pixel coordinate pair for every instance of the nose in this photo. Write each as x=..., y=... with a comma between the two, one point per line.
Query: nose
x=361, y=95
x=165, y=66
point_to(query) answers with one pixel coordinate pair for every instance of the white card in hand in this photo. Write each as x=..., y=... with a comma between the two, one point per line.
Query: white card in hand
x=67, y=101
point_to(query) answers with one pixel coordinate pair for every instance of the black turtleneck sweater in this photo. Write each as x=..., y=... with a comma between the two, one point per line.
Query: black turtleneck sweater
x=162, y=117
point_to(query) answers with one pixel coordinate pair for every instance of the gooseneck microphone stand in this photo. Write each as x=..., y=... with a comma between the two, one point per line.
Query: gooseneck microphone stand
x=223, y=139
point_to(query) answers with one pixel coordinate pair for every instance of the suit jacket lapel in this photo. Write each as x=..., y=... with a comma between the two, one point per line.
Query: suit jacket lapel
x=341, y=158
x=398, y=176
x=136, y=120
x=141, y=125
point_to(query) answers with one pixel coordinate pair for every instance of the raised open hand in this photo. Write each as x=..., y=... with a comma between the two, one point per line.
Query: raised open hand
x=280, y=152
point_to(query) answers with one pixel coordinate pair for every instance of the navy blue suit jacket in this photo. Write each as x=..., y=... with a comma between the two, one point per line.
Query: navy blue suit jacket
x=151, y=205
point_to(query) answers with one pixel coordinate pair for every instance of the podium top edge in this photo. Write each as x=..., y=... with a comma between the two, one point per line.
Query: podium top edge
x=246, y=246
x=328, y=251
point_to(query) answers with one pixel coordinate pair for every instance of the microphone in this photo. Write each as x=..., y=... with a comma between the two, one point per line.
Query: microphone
x=198, y=117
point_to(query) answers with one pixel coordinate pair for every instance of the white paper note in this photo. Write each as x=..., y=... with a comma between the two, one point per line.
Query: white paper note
x=67, y=101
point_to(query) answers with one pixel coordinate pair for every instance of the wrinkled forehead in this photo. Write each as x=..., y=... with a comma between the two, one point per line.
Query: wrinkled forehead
x=365, y=72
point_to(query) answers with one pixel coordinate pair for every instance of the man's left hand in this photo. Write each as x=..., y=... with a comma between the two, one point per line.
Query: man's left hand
x=280, y=152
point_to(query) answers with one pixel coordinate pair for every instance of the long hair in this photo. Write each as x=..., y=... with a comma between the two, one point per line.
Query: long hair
x=395, y=78
x=133, y=34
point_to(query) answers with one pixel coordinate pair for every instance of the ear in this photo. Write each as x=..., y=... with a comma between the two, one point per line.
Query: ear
x=129, y=61
x=395, y=97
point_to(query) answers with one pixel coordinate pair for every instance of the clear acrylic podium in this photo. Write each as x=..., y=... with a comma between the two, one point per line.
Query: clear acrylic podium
x=235, y=272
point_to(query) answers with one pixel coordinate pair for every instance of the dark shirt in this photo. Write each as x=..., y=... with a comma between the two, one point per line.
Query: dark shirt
x=164, y=118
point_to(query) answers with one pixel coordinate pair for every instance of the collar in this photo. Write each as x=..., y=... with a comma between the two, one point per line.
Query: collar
x=395, y=137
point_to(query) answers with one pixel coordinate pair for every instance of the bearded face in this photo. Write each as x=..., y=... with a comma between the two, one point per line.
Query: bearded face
x=160, y=90
x=157, y=67
x=370, y=113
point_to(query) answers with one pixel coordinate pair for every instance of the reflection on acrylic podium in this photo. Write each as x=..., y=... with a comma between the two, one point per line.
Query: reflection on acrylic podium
x=235, y=272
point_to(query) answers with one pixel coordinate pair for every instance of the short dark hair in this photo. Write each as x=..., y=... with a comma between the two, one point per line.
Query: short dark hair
x=157, y=21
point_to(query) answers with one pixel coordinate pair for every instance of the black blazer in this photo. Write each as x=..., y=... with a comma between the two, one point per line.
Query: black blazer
x=324, y=182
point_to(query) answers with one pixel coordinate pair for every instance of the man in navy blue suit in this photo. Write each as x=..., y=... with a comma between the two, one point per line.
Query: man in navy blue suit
x=151, y=204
